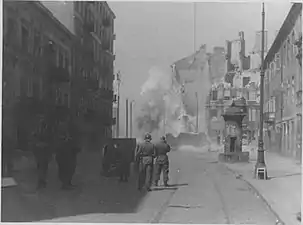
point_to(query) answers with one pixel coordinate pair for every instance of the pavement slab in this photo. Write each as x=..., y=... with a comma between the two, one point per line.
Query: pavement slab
x=282, y=192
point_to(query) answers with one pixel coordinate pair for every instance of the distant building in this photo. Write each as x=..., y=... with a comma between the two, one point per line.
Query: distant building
x=193, y=75
x=241, y=79
x=235, y=54
x=283, y=87
x=217, y=64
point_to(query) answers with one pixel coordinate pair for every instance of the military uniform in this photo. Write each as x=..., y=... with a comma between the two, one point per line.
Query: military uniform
x=145, y=154
x=66, y=158
x=43, y=154
x=162, y=162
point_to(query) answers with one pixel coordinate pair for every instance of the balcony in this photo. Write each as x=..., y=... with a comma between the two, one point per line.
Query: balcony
x=93, y=116
x=269, y=117
x=298, y=43
x=106, y=22
x=60, y=112
x=106, y=46
x=92, y=83
x=58, y=74
x=89, y=26
x=106, y=94
x=29, y=106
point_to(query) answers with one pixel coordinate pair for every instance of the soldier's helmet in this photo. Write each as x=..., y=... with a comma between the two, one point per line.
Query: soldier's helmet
x=148, y=137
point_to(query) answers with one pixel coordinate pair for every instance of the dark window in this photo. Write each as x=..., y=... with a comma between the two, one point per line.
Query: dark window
x=245, y=81
x=66, y=62
x=61, y=59
x=36, y=89
x=77, y=6
x=37, y=44
x=25, y=38
x=66, y=99
x=214, y=95
x=11, y=28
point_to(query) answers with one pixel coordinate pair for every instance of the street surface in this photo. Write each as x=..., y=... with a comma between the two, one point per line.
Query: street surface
x=202, y=191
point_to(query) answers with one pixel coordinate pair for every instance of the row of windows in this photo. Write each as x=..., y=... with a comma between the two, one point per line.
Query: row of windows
x=33, y=41
x=93, y=104
x=285, y=56
x=227, y=94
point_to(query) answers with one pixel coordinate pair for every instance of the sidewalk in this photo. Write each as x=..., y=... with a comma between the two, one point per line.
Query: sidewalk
x=282, y=192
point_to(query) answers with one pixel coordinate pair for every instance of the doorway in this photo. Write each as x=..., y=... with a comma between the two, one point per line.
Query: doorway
x=233, y=144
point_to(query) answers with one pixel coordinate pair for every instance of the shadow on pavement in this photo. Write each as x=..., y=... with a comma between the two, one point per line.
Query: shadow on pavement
x=94, y=194
x=177, y=185
x=164, y=188
x=287, y=175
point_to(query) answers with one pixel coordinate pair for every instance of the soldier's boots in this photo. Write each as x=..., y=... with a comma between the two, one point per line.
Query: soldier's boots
x=166, y=184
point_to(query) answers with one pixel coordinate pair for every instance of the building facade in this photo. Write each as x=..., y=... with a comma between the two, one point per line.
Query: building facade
x=37, y=69
x=92, y=23
x=94, y=29
x=283, y=88
x=221, y=97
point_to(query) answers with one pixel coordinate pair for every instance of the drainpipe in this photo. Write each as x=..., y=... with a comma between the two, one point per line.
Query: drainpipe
x=282, y=97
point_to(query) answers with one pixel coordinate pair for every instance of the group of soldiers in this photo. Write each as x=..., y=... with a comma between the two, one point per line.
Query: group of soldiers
x=58, y=141
x=152, y=160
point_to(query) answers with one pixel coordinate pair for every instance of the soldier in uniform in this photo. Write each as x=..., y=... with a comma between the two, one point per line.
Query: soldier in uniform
x=66, y=158
x=42, y=152
x=145, y=154
x=162, y=162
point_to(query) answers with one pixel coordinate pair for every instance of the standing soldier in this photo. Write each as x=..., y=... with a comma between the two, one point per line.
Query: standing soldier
x=42, y=152
x=104, y=159
x=66, y=157
x=162, y=162
x=145, y=154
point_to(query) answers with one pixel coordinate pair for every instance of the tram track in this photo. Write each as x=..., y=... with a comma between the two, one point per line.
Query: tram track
x=157, y=218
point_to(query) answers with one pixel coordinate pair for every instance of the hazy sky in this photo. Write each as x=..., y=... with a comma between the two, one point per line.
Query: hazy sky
x=159, y=33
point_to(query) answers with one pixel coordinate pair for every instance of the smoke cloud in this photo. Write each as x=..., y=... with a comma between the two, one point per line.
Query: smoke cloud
x=161, y=103
x=167, y=107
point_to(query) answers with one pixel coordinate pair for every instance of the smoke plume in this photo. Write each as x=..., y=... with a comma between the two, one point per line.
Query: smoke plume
x=167, y=107
x=161, y=109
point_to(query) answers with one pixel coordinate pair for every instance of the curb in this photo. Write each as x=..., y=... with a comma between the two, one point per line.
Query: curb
x=239, y=176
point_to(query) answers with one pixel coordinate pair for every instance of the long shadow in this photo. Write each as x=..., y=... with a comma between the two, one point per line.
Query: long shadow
x=287, y=175
x=94, y=194
x=178, y=185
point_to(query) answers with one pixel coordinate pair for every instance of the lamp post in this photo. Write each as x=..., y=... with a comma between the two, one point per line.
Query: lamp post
x=260, y=167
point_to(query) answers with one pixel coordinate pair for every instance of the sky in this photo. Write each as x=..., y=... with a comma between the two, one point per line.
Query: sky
x=157, y=34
